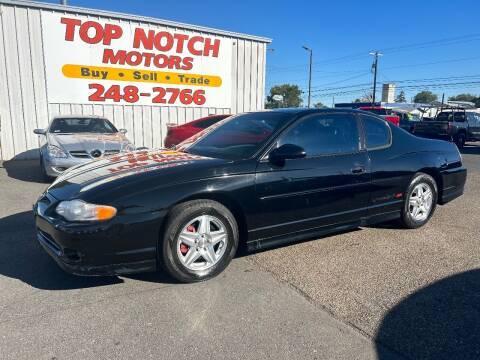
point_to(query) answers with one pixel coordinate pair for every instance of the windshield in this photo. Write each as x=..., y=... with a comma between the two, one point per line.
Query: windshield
x=235, y=138
x=82, y=125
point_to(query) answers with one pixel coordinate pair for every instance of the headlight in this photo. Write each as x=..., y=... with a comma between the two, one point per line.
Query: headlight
x=128, y=148
x=79, y=210
x=56, y=152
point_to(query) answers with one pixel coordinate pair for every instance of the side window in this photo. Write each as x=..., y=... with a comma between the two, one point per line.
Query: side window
x=476, y=120
x=377, y=132
x=324, y=135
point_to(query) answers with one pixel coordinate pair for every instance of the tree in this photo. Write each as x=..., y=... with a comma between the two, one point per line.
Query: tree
x=466, y=97
x=401, y=97
x=291, y=96
x=319, y=105
x=463, y=97
x=425, y=97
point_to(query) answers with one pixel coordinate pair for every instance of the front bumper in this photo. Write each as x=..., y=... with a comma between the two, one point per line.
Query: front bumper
x=56, y=166
x=123, y=245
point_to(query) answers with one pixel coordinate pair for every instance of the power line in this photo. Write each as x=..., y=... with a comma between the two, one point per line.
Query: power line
x=460, y=77
x=465, y=84
x=413, y=46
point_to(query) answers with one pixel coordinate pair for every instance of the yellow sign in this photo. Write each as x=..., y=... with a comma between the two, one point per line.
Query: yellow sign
x=149, y=76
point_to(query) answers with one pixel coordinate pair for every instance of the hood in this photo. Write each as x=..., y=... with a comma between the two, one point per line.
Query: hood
x=88, y=142
x=131, y=167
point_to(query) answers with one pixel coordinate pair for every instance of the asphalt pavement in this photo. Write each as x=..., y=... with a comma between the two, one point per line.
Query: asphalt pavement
x=372, y=293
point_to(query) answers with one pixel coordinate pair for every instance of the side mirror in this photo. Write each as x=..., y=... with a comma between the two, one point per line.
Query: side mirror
x=286, y=151
x=122, y=131
x=40, y=131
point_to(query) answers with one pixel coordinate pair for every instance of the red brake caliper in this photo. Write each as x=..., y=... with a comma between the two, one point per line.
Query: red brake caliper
x=183, y=247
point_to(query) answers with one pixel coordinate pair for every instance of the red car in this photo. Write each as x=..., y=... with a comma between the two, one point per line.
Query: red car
x=177, y=134
x=385, y=113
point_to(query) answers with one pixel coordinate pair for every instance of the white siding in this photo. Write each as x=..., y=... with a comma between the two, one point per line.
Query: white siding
x=24, y=103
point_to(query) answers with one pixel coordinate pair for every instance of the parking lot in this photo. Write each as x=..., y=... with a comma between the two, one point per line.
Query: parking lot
x=376, y=292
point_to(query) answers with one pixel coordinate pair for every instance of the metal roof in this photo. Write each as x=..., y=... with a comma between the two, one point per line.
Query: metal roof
x=145, y=19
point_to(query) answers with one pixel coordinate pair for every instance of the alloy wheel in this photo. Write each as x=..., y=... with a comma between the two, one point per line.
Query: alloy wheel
x=202, y=243
x=420, y=202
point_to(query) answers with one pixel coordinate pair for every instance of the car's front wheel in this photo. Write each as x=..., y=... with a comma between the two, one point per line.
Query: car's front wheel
x=420, y=201
x=43, y=172
x=200, y=240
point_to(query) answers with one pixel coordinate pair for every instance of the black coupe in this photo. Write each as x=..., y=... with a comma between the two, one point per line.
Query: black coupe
x=256, y=179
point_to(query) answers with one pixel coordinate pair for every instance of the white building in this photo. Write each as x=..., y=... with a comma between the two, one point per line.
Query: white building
x=388, y=93
x=139, y=72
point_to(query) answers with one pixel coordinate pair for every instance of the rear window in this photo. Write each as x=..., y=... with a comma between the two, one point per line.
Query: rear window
x=377, y=132
x=451, y=116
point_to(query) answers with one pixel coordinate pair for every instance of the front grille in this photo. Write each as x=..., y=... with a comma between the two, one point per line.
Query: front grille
x=85, y=155
x=80, y=154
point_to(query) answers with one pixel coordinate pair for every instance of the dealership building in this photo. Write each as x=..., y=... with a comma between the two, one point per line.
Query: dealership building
x=141, y=73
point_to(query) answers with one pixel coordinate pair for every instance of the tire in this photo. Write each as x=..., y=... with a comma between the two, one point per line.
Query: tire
x=185, y=222
x=411, y=219
x=460, y=140
x=43, y=173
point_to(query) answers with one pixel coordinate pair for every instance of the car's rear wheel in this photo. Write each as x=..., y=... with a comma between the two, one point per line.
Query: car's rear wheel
x=420, y=201
x=200, y=240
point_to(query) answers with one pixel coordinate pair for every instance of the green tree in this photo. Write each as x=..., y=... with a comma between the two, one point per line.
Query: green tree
x=401, y=97
x=463, y=97
x=319, y=105
x=425, y=97
x=291, y=96
x=466, y=97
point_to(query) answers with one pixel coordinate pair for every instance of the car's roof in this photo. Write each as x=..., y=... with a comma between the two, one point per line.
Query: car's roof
x=305, y=111
x=78, y=117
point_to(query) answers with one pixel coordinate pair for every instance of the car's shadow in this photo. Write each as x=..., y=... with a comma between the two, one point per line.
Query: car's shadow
x=24, y=170
x=22, y=258
x=439, y=321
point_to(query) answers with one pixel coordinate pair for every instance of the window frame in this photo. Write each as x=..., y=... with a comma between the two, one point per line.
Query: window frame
x=364, y=133
x=296, y=122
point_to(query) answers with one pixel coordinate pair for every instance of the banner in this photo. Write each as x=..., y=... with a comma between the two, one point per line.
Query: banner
x=112, y=62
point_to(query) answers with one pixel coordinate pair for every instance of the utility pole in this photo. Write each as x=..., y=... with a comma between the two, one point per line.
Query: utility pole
x=63, y=2
x=309, y=74
x=376, y=54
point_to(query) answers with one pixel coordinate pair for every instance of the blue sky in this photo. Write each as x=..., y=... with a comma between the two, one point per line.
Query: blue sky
x=424, y=42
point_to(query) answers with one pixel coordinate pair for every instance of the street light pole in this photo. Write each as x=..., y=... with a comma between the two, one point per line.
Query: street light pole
x=376, y=54
x=309, y=75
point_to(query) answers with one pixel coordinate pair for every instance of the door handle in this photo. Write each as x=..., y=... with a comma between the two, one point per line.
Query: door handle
x=358, y=170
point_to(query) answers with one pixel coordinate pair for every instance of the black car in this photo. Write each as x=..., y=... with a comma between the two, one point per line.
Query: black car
x=256, y=179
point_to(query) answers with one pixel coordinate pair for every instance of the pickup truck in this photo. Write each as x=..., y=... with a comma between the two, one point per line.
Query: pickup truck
x=456, y=126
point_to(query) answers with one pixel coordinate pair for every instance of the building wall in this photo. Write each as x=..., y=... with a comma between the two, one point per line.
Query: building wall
x=24, y=104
